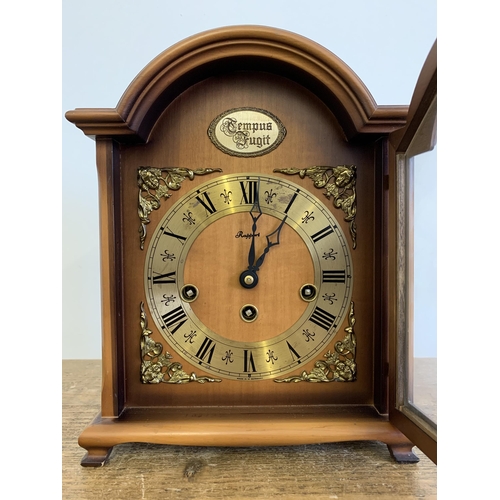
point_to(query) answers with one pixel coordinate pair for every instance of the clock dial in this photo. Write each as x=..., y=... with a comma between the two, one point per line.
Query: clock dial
x=248, y=276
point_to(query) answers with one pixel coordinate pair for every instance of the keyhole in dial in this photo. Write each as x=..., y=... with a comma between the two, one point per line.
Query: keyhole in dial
x=249, y=313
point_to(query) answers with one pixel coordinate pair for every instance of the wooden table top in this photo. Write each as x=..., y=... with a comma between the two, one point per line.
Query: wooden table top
x=350, y=470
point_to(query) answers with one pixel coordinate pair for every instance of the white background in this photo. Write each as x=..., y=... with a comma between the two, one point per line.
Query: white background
x=106, y=44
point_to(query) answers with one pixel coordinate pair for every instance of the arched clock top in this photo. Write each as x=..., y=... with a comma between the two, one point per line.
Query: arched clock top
x=230, y=49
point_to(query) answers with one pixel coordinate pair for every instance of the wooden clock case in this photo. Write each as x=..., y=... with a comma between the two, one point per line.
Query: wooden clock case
x=331, y=119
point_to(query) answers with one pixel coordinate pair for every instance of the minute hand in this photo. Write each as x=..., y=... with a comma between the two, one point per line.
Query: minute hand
x=272, y=240
x=255, y=213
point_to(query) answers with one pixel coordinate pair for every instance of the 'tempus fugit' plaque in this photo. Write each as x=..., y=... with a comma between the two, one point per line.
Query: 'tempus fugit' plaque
x=246, y=132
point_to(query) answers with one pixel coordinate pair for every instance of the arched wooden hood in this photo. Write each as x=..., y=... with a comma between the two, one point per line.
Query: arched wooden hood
x=227, y=49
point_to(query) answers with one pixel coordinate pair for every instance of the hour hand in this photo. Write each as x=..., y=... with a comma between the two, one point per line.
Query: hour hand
x=272, y=240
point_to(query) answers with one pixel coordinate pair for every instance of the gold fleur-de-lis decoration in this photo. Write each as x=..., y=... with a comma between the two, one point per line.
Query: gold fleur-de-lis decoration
x=338, y=366
x=157, y=368
x=155, y=184
x=339, y=184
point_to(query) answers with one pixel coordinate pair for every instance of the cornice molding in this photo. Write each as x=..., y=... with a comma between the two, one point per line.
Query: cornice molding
x=240, y=47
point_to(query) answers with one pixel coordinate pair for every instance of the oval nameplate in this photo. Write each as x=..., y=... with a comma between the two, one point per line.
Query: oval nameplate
x=246, y=132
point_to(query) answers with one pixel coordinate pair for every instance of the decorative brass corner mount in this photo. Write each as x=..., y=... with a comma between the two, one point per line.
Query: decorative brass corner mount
x=339, y=183
x=157, y=367
x=155, y=184
x=340, y=366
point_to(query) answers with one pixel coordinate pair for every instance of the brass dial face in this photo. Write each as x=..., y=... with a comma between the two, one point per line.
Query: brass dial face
x=248, y=276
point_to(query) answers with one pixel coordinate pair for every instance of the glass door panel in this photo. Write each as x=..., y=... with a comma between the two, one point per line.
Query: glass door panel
x=420, y=165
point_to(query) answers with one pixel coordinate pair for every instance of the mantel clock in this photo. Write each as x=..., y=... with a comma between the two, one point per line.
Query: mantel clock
x=249, y=246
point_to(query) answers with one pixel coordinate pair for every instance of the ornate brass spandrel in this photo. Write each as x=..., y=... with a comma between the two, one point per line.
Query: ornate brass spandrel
x=157, y=368
x=339, y=366
x=155, y=184
x=340, y=185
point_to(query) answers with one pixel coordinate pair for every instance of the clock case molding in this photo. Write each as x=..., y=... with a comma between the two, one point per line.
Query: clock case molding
x=386, y=129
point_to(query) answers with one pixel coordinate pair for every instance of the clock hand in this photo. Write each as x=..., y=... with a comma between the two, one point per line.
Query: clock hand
x=255, y=213
x=270, y=244
x=249, y=278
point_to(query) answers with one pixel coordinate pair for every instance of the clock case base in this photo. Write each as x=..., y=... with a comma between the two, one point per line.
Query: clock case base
x=242, y=427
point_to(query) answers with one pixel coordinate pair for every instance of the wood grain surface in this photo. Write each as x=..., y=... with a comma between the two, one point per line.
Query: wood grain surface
x=351, y=470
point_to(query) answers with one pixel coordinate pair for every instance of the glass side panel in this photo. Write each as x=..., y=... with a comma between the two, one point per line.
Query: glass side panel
x=423, y=347
x=421, y=390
